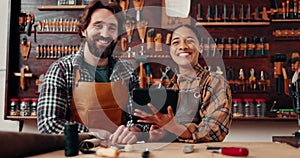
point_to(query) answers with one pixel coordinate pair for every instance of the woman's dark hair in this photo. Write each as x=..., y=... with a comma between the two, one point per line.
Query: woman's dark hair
x=194, y=29
x=114, y=7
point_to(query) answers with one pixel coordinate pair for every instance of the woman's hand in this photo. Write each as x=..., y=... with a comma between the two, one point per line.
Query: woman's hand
x=162, y=120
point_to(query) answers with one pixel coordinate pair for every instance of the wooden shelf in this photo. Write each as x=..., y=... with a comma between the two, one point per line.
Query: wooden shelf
x=158, y=56
x=21, y=118
x=235, y=57
x=285, y=20
x=52, y=32
x=232, y=23
x=287, y=39
x=61, y=7
x=167, y=56
x=263, y=119
x=248, y=92
x=57, y=32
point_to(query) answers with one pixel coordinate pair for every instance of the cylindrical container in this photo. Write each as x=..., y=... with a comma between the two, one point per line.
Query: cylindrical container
x=71, y=140
x=158, y=42
x=14, y=107
x=249, y=110
x=237, y=108
x=33, y=106
x=260, y=107
x=25, y=107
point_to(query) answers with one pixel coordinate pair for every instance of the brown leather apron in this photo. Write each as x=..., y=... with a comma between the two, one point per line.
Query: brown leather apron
x=99, y=105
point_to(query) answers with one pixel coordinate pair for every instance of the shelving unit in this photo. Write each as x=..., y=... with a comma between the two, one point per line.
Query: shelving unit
x=216, y=29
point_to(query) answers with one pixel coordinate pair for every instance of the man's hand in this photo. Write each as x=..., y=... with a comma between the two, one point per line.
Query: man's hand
x=123, y=135
x=156, y=133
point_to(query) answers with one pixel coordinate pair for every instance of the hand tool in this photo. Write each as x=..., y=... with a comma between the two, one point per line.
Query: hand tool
x=232, y=151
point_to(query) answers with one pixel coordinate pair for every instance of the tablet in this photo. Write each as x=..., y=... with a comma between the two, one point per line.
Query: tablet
x=161, y=98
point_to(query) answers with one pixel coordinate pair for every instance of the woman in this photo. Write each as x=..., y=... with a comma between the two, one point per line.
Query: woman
x=204, y=111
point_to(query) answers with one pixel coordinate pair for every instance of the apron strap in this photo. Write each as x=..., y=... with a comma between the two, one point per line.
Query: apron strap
x=77, y=76
x=201, y=85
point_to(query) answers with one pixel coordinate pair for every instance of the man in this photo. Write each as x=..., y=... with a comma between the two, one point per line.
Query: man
x=73, y=84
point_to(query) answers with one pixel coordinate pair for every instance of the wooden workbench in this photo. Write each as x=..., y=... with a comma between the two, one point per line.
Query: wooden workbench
x=174, y=150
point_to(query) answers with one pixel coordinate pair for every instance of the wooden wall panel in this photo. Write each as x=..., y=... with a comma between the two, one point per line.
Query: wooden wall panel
x=39, y=66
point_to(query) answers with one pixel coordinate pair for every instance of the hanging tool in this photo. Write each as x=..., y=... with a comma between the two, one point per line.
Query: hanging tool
x=164, y=75
x=124, y=5
x=25, y=47
x=138, y=6
x=129, y=27
x=150, y=38
x=278, y=60
x=29, y=23
x=23, y=75
x=141, y=59
x=142, y=27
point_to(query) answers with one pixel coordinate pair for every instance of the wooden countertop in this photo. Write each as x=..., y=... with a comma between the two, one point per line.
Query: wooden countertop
x=174, y=150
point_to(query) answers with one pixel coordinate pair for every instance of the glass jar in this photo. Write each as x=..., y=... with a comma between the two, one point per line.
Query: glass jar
x=260, y=107
x=33, y=106
x=25, y=107
x=14, y=107
x=238, y=110
x=249, y=110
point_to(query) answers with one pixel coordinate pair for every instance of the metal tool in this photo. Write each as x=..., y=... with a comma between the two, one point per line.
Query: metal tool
x=164, y=75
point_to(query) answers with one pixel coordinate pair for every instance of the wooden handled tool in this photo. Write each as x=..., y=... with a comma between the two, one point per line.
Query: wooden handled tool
x=138, y=6
x=23, y=75
x=124, y=5
x=25, y=48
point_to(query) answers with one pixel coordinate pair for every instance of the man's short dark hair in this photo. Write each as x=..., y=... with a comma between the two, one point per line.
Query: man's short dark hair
x=114, y=7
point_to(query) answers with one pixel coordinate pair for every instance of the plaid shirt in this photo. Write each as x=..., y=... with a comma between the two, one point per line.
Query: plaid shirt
x=54, y=105
x=214, y=110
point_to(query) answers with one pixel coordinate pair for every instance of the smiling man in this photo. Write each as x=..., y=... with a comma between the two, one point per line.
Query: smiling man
x=79, y=88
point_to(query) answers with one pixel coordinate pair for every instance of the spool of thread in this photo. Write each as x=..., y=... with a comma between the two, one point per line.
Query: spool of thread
x=71, y=140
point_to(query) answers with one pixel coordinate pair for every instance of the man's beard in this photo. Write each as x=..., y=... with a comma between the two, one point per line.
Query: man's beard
x=99, y=50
